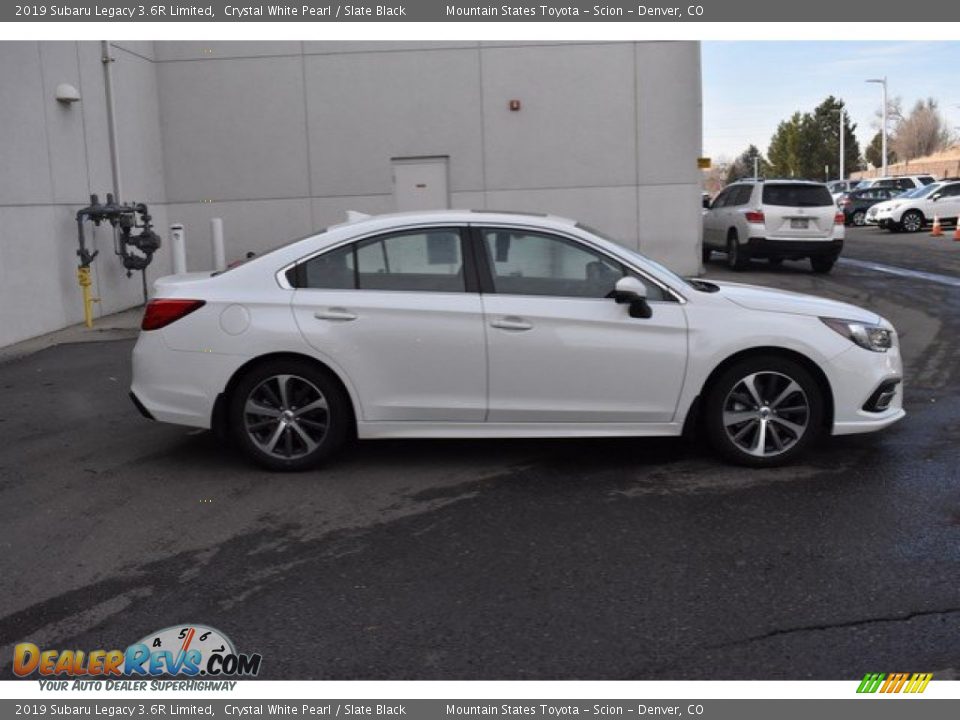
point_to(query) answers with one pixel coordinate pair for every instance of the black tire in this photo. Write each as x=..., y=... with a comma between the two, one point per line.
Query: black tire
x=912, y=221
x=859, y=218
x=737, y=256
x=823, y=264
x=775, y=261
x=308, y=436
x=774, y=374
x=706, y=254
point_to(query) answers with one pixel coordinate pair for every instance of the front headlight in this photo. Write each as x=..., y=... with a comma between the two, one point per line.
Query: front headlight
x=870, y=337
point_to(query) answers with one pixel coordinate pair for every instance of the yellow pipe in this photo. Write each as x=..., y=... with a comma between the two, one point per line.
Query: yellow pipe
x=85, y=282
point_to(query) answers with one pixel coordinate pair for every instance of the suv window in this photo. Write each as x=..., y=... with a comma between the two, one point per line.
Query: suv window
x=797, y=195
x=417, y=261
x=721, y=200
x=742, y=196
x=950, y=190
x=527, y=263
x=927, y=179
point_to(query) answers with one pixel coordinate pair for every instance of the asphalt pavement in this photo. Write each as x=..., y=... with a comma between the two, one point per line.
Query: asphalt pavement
x=588, y=559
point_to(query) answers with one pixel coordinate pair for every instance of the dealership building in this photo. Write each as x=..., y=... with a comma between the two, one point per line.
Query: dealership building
x=279, y=139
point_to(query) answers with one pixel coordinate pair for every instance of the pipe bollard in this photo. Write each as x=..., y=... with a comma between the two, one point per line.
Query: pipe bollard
x=85, y=282
x=216, y=241
x=178, y=242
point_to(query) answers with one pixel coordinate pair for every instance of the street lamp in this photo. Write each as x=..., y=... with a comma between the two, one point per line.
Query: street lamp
x=883, y=130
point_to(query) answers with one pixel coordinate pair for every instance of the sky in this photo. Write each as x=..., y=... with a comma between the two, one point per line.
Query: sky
x=750, y=87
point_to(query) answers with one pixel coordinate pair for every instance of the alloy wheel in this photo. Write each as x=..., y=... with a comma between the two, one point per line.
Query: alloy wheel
x=286, y=416
x=766, y=413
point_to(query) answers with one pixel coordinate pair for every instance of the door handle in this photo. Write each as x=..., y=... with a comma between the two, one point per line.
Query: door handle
x=335, y=313
x=512, y=322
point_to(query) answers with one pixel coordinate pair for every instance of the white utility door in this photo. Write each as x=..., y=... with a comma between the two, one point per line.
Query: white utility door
x=560, y=351
x=421, y=183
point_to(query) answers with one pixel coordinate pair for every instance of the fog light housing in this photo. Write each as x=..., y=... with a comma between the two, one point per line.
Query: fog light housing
x=881, y=398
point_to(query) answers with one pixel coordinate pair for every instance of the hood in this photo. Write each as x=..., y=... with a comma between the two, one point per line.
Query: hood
x=753, y=297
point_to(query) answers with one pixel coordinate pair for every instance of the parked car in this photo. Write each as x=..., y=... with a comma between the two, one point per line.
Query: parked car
x=912, y=212
x=475, y=324
x=777, y=220
x=839, y=187
x=899, y=182
x=854, y=205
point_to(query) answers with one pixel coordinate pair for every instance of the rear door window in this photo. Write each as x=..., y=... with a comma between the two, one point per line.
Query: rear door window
x=798, y=195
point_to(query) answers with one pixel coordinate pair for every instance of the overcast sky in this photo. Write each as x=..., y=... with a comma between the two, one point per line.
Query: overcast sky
x=749, y=87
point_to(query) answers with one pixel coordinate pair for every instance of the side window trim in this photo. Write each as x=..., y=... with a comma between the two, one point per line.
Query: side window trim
x=470, y=276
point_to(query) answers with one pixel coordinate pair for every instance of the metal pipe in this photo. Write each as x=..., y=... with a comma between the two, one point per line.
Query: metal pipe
x=107, y=59
x=842, y=138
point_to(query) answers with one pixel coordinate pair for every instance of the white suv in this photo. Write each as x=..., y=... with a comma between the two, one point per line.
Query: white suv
x=896, y=182
x=777, y=220
x=911, y=211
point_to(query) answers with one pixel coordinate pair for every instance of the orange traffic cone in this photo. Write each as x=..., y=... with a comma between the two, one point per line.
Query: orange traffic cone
x=937, y=230
x=956, y=231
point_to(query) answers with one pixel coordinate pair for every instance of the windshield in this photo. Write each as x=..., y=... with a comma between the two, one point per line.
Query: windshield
x=923, y=191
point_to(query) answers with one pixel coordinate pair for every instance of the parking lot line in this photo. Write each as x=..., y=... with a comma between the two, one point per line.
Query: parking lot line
x=948, y=280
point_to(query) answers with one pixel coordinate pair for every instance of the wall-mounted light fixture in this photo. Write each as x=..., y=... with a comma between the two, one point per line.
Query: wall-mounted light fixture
x=67, y=94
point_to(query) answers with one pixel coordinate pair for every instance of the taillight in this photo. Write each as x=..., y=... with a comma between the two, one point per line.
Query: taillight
x=162, y=312
x=839, y=219
x=755, y=216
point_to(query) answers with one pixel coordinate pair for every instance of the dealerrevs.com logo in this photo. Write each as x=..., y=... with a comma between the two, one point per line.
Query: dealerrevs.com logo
x=179, y=650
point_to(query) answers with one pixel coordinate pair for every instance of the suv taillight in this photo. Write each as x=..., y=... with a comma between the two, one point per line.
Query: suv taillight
x=839, y=219
x=162, y=312
x=755, y=216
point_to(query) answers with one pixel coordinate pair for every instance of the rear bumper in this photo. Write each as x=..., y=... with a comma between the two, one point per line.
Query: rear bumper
x=765, y=247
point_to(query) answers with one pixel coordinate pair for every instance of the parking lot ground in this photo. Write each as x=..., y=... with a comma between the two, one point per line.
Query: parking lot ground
x=591, y=559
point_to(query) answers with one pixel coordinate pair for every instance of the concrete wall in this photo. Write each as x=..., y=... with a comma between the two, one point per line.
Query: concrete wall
x=51, y=158
x=280, y=138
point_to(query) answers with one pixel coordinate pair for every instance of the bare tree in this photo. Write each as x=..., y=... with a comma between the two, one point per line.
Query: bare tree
x=923, y=132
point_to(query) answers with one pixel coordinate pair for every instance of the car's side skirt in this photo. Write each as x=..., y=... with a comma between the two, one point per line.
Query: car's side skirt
x=374, y=430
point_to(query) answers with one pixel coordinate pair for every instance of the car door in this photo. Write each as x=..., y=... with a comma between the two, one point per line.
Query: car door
x=400, y=316
x=948, y=204
x=559, y=349
x=712, y=220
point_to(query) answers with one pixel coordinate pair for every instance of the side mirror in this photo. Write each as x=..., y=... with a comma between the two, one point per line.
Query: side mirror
x=631, y=291
x=935, y=196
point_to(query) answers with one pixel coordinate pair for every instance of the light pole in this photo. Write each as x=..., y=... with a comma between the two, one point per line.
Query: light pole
x=883, y=130
x=842, y=138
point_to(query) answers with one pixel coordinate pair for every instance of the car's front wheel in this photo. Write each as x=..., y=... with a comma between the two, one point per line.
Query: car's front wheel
x=289, y=415
x=912, y=221
x=859, y=218
x=764, y=411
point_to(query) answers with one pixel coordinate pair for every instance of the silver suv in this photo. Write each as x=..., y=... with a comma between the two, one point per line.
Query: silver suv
x=774, y=219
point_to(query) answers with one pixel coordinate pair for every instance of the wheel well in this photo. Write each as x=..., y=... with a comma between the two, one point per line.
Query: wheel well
x=733, y=234
x=219, y=415
x=694, y=416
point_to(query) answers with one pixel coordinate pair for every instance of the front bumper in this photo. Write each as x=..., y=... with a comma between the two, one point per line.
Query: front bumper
x=855, y=376
x=765, y=247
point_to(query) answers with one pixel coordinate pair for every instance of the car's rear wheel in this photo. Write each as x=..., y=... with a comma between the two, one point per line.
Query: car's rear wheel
x=764, y=411
x=823, y=264
x=289, y=415
x=912, y=221
x=737, y=257
x=859, y=218
x=706, y=253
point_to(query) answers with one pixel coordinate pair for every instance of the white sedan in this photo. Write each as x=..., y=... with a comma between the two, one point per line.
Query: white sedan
x=457, y=324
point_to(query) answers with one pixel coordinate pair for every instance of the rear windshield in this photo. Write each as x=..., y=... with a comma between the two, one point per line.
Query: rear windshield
x=797, y=195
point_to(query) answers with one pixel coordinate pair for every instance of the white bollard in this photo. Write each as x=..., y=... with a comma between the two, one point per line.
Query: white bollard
x=216, y=240
x=178, y=242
